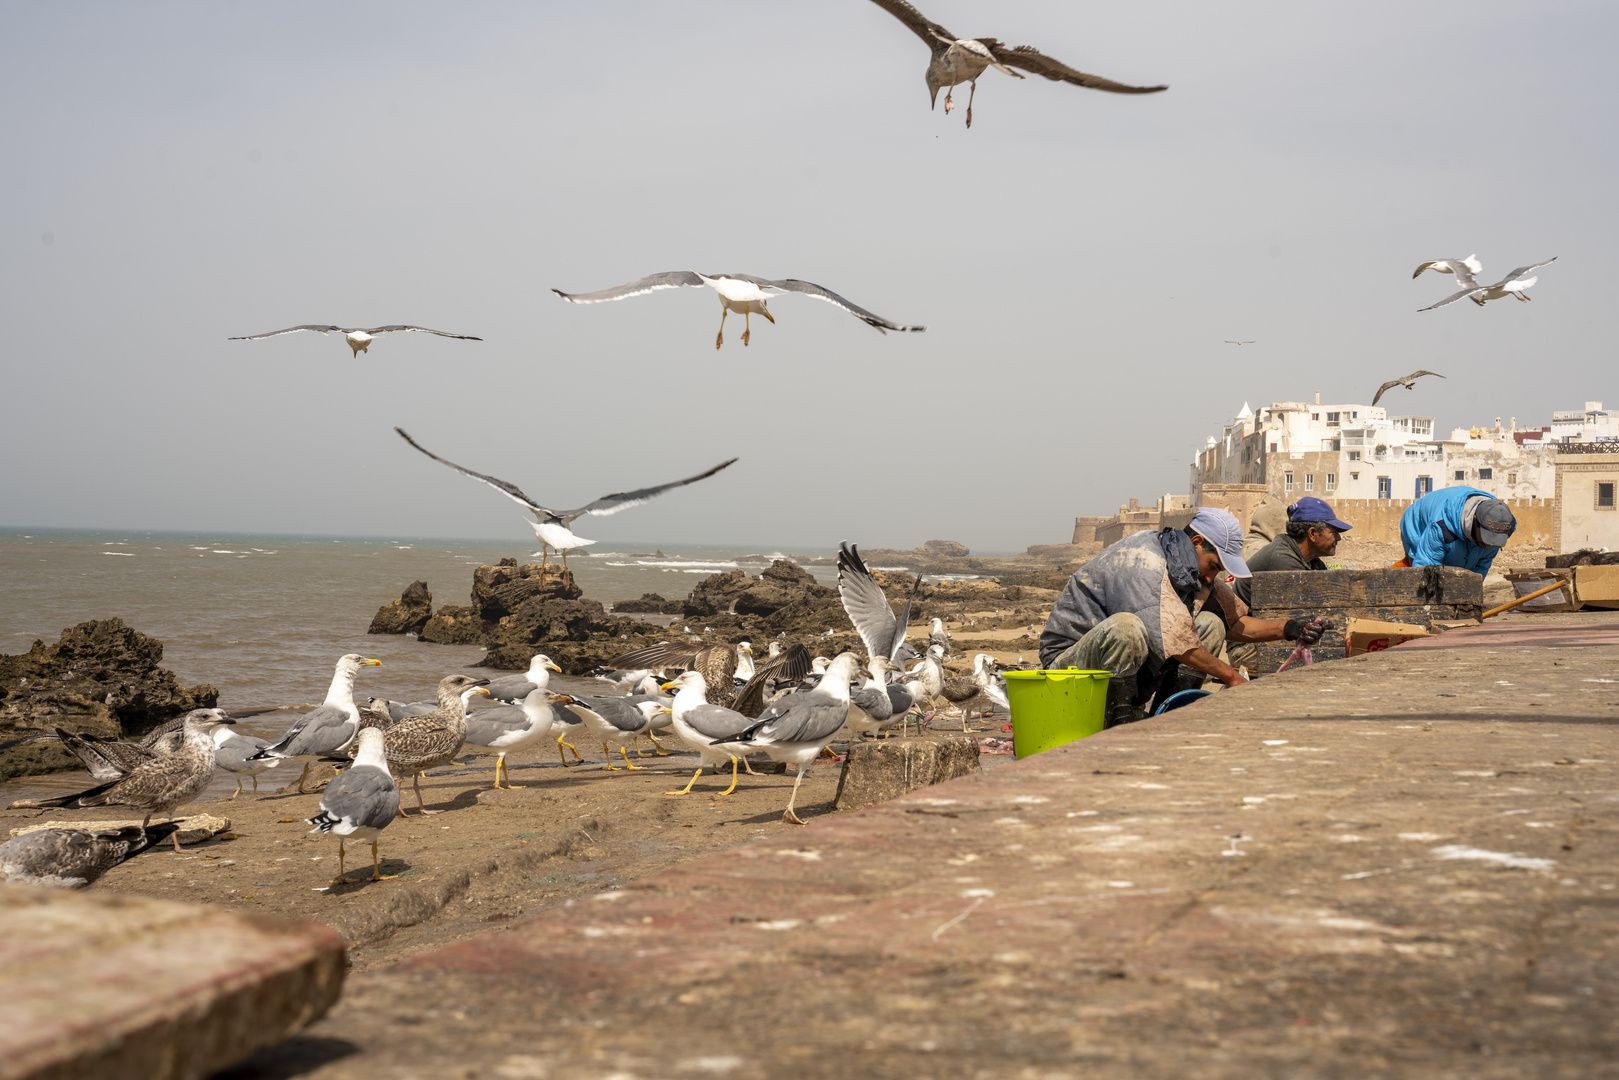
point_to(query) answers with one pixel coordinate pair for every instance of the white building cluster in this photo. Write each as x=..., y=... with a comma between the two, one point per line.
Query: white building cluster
x=1353, y=451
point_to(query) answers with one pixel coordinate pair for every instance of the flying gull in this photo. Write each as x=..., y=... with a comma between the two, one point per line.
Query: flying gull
x=329, y=727
x=962, y=60
x=1228, y=341
x=358, y=340
x=359, y=803
x=1406, y=382
x=514, y=727
x=554, y=528
x=740, y=294
x=867, y=606
x=73, y=858
x=705, y=727
x=161, y=784
x=1513, y=284
x=1464, y=269
x=797, y=727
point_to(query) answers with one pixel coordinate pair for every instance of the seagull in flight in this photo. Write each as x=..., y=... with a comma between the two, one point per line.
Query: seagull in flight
x=1513, y=284
x=358, y=340
x=554, y=528
x=1228, y=341
x=1406, y=382
x=740, y=294
x=962, y=60
x=1464, y=269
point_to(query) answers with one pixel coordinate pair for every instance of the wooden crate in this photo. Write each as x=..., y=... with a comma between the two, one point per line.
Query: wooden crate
x=1597, y=586
x=1525, y=582
x=1420, y=596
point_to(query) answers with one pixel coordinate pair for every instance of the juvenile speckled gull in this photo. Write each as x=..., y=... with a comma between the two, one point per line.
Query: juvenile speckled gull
x=554, y=528
x=73, y=858
x=741, y=294
x=962, y=60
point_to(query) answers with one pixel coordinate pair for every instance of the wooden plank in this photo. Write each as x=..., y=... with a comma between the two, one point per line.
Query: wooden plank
x=1320, y=589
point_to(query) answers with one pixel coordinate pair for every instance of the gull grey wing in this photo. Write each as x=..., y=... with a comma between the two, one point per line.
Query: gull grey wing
x=919, y=24
x=876, y=702
x=672, y=279
x=900, y=698
x=1381, y=390
x=418, y=329
x=615, y=710
x=904, y=621
x=292, y=330
x=364, y=795
x=662, y=655
x=865, y=603
x=1521, y=271
x=1453, y=297
x=322, y=731
x=623, y=500
x=716, y=721
x=487, y=725
x=809, y=288
x=1033, y=60
x=509, y=688
x=511, y=491
x=800, y=718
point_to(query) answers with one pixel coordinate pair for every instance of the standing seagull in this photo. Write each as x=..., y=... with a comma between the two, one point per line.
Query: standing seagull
x=329, y=727
x=797, y=727
x=514, y=727
x=418, y=743
x=867, y=606
x=514, y=688
x=1406, y=382
x=359, y=803
x=961, y=60
x=1513, y=284
x=358, y=340
x=554, y=528
x=161, y=784
x=740, y=294
x=705, y=727
x=73, y=858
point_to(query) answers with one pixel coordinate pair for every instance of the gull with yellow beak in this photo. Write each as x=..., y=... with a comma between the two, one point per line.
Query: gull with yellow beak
x=704, y=727
x=327, y=729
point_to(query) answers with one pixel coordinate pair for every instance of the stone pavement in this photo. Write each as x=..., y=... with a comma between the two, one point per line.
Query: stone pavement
x=1403, y=864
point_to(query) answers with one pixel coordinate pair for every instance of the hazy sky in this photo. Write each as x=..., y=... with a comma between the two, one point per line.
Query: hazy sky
x=179, y=173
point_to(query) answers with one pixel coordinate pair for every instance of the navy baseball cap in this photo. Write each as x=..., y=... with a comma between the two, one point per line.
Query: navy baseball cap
x=1312, y=509
x=1221, y=530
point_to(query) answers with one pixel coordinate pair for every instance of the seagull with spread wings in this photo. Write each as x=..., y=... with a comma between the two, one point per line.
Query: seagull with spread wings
x=1513, y=284
x=1407, y=382
x=867, y=607
x=962, y=60
x=358, y=340
x=740, y=294
x=554, y=528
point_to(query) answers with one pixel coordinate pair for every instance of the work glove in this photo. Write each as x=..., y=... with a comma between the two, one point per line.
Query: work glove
x=1309, y=632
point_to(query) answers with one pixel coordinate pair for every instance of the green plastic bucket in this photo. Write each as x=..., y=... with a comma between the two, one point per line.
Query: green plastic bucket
x=1051, y=708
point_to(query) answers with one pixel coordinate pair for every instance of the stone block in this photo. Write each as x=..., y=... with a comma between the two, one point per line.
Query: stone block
x=194, y=829
x=877, y=770
x=108, y=984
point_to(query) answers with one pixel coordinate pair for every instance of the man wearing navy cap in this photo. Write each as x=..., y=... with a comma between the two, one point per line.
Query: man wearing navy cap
x=1312, y=535
x=1156, y=601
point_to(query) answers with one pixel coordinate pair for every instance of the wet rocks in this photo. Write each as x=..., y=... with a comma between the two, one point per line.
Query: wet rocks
x=407, y=615
x=101, y=678
x=498, y=591
x=452, y=625
x=649, y=604
x=783, y=584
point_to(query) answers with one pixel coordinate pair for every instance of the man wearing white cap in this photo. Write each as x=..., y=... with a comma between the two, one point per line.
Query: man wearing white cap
x=1157, y=597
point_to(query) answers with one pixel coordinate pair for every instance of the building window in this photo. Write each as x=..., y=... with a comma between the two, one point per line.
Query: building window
x=1332, y=481
x=1273, y=448
x=1512, y=478
x=1424, y=485
x=1461, y=474
x=1354, y=455
x=1486, y=474
x=1287, y=483
x=1332, y=417
x=1315, y=416
x=1605, y=495
x=1385, y=487
x=1309, y=481
x=1354, y=416
x=1354, y=476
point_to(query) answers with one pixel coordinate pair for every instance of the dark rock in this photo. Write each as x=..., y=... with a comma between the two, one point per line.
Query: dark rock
x=456, y=626
x=783, y=584
x=102, y=678
x=877, y=770
x=498, y=591
x=406, y=615
x=717, y=593
x=649, y=604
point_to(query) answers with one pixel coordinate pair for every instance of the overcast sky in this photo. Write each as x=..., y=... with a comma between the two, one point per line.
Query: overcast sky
x=179, y=173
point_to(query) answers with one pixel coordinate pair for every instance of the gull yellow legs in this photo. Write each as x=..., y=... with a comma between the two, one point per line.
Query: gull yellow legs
x=610, y=767
x=561, y=742
x=376, y=864
x=687, y=789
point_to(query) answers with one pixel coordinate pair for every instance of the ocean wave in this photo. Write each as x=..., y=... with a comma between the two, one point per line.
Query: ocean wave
x=130, y=554
x=701, y=565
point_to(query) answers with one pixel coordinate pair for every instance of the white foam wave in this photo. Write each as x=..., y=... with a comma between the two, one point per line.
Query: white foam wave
x=129, y=554
x=699, y=565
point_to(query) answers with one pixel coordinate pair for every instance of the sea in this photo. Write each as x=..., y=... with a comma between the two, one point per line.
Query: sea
x=264, y=618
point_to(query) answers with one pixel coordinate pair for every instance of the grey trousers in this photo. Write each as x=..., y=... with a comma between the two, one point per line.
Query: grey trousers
x=1119, y=644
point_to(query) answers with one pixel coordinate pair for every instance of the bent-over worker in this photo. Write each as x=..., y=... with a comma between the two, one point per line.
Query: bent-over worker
x=1154, y=598
x=1456, y=526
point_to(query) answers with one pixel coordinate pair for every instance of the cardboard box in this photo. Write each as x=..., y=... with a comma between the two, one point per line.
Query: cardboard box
x=1369, y=635
x=1597, y=586
x=1525, y=582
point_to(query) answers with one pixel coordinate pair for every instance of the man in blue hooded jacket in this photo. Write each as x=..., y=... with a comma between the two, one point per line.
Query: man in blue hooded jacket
x=1456, y=526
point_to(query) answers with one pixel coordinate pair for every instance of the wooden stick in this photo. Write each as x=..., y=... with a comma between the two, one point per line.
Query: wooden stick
x=1522, y=600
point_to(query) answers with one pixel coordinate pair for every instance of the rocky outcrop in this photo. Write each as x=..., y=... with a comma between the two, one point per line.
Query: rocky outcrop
x=715, y=594
x=785, y=583
x=498, y=591
x=649, y=604
x=407, y=615
x=101, y=678
x=452, y=625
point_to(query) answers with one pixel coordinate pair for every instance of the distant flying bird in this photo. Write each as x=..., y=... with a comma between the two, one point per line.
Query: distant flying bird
x=962, y=60
x=1230, y=342
x=1406, y=382
x=740, y=294
x=359, y=340
x=554, y=528
x=1513, y=284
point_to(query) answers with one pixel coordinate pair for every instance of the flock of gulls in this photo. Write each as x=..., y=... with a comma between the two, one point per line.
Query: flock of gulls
x=719, y=700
